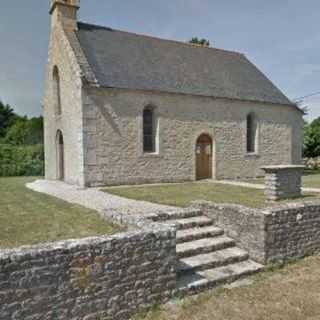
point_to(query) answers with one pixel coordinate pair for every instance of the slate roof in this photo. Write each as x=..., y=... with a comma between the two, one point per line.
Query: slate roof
x=126, y=60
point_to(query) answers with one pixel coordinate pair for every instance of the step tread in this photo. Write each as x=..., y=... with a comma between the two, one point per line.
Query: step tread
x=217, y=276
x=199, y=231
x=225, y=272
x=217, y=258
x=204, y=243
x=177, y=214
x=190, y=222
x=184, y=214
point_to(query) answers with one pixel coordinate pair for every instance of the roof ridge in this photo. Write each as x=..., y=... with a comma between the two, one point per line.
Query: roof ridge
x=189, y=45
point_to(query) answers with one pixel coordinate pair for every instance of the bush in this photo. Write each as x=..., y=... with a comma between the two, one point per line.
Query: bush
x=311, y=145
x=21, y=160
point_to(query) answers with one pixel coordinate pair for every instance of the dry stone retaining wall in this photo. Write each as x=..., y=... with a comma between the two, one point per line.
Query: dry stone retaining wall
x=95, y=278
x=243, y=224
x=270, y=235
x=292, y=231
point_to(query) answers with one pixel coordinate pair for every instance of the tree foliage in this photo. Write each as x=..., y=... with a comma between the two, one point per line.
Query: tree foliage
x=7, y=118
x=21, y=144
x=25, y=132
x=200, y=42
x=311, y=145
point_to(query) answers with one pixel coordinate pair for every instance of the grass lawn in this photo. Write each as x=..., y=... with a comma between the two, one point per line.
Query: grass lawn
x=181, y=195
x=291, y=293
x=28, y=217
x=310, y=179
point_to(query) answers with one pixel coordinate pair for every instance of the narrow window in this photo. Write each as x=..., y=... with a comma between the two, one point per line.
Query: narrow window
x=56, y=91
x=251, y=133
x=148, y=130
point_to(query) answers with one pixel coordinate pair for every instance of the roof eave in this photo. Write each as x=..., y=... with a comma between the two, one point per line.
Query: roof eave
x=97, y=85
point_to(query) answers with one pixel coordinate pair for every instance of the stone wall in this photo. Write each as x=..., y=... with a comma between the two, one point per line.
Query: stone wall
x=242, y=224
x=113, y=144
x=273, y=234
x=292, y=231
x=95, y=278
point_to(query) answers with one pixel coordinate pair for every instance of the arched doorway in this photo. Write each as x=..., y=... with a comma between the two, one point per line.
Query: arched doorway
x=60, y=156
x=204, y=157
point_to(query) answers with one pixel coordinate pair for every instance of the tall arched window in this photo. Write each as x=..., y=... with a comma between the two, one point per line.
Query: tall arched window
x=56, y=91
x=60, y=155
x=149, y=130
x=252, y=133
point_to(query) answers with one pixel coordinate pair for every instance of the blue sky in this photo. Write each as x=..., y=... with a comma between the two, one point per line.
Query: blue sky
x=282, y=37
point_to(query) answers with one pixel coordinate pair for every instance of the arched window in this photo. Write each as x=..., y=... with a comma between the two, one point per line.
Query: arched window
x=252, y=133
x=56, y=91
x=60, y=155
x=149, y=130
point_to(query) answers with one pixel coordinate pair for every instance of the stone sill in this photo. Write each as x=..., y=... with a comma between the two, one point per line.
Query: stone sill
x=252, y=155
x=151, y=155
x=283, y=167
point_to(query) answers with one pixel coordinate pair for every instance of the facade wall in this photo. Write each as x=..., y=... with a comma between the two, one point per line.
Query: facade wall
x=96, y=278
x=70, y=120
x=113, y=147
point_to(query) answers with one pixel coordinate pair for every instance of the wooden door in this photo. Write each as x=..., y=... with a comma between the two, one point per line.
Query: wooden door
x=204, y=157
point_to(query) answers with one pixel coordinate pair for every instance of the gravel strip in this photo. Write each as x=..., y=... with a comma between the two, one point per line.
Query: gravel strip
x=95, y=199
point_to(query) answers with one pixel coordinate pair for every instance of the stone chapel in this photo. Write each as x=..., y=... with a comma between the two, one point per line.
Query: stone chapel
x=125, y=108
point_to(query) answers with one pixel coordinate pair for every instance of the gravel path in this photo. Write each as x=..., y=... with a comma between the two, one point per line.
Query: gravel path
x=95, y=199
x=256, y=186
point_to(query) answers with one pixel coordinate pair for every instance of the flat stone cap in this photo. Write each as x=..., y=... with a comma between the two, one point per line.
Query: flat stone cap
x=283, y=167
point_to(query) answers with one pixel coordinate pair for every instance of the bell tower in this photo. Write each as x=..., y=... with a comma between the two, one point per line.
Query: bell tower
x=65, y=12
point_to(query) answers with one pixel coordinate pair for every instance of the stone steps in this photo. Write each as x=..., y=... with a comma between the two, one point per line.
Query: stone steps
x=198, y=281
x=206, y=257
x=175, y=215
x=205, y=245
x=212, y=260
x=194, y=222
x=192, y=234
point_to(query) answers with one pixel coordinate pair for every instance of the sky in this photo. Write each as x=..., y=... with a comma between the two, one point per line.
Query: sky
x=282, y=37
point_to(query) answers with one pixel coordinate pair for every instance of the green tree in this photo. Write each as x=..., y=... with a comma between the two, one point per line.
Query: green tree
x=311, y=145
x=35, y=131
x=25, y=131
x=7, y=118
x=200, y=42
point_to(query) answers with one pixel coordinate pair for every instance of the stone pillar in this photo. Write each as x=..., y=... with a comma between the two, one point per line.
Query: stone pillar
x=282, y=182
